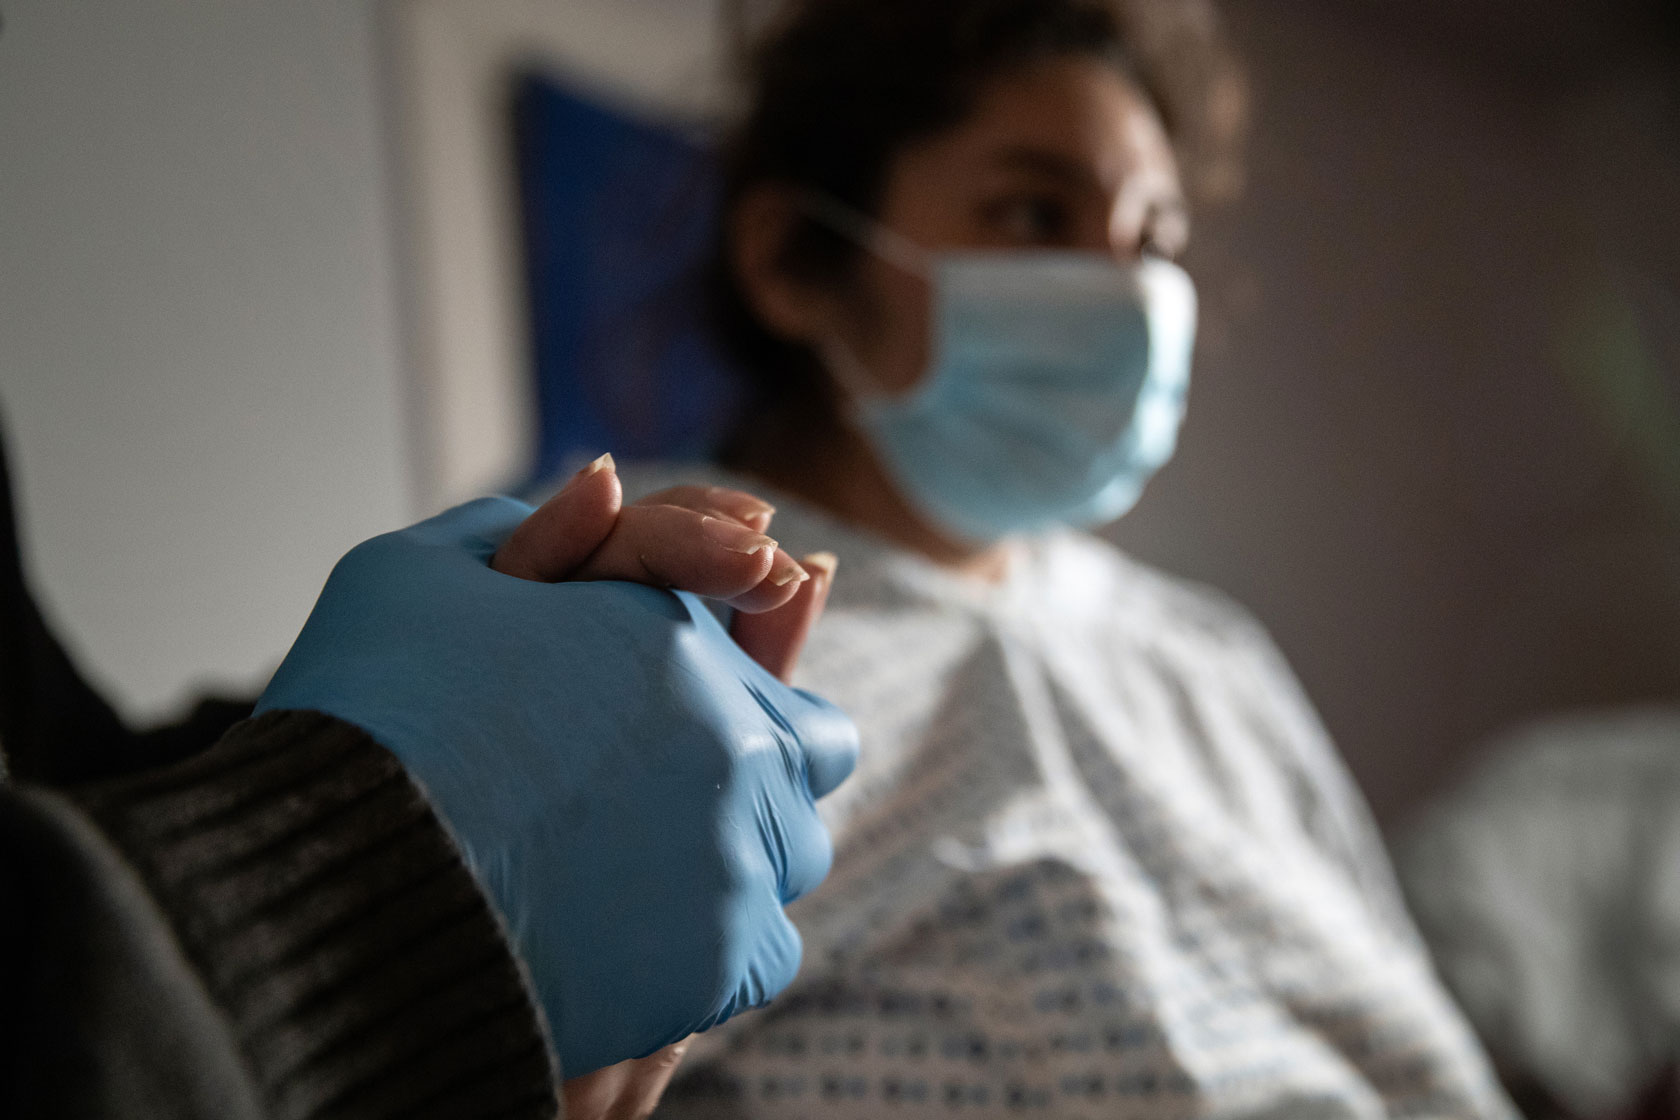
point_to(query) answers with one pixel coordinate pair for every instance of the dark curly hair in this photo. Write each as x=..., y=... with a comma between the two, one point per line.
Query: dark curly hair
x=835, y=90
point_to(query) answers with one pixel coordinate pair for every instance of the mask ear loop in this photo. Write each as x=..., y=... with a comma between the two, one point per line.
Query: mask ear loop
x=867, y=233
x=848, y=371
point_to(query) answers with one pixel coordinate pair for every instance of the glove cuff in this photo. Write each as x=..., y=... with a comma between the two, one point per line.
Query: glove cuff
x=333, y=921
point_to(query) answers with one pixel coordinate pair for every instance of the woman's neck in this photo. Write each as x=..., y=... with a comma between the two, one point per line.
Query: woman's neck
x=831, y=466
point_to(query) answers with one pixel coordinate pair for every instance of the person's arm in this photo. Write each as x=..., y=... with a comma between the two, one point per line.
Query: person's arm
x=643, y=858
x=279, y=926
x=248, y=912
x=235, y=935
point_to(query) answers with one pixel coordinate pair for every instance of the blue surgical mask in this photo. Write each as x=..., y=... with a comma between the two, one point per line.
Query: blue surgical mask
x=1057, y=387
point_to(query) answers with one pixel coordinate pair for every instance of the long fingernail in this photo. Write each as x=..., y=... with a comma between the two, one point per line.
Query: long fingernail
x=604, y=463
x=785, y=570
x=734, y=538
x=821, y=565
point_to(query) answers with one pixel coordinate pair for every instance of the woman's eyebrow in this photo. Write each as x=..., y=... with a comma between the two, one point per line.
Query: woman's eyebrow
x=1079, y=175
x=1054, y=165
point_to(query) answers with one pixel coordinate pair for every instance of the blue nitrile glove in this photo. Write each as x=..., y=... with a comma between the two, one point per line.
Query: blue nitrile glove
x=635, y=793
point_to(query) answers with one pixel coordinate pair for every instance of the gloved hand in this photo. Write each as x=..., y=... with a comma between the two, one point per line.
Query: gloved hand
x=634, y=791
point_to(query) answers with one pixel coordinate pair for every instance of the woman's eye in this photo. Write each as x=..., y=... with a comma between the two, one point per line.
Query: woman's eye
x=1031, y=221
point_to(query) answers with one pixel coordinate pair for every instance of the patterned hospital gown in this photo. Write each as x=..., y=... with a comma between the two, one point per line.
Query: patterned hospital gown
x=1098, y=859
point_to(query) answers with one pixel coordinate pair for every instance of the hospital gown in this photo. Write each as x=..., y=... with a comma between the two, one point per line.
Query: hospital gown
x=1098, y=859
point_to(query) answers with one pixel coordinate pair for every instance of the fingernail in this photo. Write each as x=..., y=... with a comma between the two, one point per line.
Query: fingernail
x=785, y=570
x=757, y=506
x=734, y=538
x=604, y=463
x=821, y=565
x=760, y=515
x=757, y=522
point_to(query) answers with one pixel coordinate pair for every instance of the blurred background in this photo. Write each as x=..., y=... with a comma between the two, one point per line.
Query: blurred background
x=277, y=276
x=262, y=294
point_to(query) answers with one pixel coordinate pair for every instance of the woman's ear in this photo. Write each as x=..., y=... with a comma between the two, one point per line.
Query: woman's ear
x=760, y=226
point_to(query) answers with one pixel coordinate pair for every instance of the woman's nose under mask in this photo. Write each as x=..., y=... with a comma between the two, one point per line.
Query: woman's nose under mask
x=1057, y=387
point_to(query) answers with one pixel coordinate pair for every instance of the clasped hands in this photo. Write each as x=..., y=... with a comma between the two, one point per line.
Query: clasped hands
x=634, y=785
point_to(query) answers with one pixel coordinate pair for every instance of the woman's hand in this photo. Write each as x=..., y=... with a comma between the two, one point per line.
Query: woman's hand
x=703, y=539
x=628, y=1091
x=707, y=540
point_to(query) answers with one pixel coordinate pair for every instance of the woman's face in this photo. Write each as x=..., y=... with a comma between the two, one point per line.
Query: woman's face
x=1064, y=155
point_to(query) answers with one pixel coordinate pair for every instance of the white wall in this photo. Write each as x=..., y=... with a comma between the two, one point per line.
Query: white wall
x=199, y=360
x=453, y=60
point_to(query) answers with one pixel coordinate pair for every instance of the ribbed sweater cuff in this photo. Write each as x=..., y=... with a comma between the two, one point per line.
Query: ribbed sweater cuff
x=362, y=970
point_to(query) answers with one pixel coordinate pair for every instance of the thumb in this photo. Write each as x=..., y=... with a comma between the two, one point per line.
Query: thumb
x=551, y=543
x=775, y=638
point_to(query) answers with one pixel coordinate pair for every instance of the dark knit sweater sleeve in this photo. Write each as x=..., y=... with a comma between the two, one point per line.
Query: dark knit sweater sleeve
x=358, y=966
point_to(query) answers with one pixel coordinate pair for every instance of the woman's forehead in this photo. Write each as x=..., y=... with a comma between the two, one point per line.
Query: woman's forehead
x=1071, y=119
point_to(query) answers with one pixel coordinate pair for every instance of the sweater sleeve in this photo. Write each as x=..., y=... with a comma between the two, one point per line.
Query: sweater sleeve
x=294, y=928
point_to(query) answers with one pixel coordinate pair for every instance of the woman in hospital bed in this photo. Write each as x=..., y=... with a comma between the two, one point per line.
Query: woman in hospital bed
x=1098, y=858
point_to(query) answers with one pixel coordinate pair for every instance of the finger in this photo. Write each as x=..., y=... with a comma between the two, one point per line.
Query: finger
x=748, y=510
x=809, y=853
x=745, y=509
x=719, y=501
x=829, y=737
x=670, y=546
x=775, y=963
x=550, y=544
x=594, y=1095
x=629, y=1090
x=770, y=595
x=654, y=1073
x=775, y=637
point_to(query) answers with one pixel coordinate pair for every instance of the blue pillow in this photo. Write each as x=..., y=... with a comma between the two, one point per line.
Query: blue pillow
x=619, y=216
